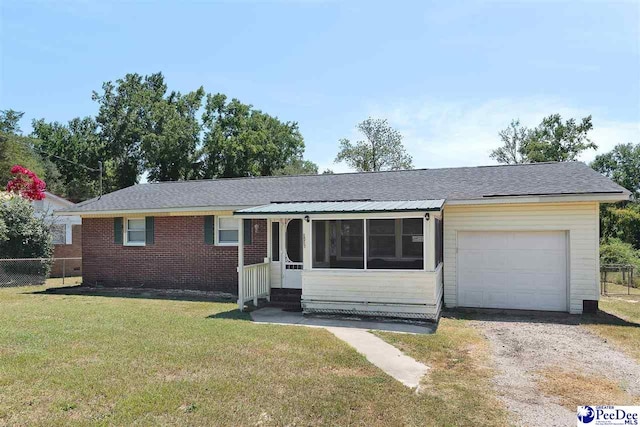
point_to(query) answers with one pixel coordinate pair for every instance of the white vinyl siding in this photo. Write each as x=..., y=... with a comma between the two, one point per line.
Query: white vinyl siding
x=412, y=294
x=579, y=220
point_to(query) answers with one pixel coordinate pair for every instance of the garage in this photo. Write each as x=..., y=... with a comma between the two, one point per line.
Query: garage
x=524, y=270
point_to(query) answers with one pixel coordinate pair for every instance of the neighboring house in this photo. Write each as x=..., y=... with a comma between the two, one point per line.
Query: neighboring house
x=380, y=243
x=66, y=233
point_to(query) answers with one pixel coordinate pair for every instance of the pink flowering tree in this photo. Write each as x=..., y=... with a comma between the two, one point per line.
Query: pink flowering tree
x=23, y=234
x=26, y=183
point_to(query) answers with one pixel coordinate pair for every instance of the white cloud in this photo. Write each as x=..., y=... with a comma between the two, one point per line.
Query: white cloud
x=448, y=134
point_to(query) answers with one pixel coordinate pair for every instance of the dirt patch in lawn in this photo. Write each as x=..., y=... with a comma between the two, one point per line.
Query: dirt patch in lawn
x=575, y=389
x=523, y=346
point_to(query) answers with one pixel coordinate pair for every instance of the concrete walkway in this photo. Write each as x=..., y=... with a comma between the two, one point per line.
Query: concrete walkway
x=382, y=354
x=275, y=315
x=356, y=333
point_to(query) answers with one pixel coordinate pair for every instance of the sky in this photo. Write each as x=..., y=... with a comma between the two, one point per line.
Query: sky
x=448, y=75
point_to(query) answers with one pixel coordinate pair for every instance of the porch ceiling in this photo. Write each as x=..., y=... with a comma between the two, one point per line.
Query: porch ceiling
x=302, y=208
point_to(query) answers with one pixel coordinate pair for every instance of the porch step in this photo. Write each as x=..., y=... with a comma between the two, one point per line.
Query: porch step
x=286, y=299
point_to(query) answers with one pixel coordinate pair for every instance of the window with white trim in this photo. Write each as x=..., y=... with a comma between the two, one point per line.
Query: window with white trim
x=134, y=233
x=59, y=234
x=227, y=230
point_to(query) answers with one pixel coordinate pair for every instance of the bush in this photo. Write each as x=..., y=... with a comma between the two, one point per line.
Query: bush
x=25, y=235
x=622, y=221
x=615, y=251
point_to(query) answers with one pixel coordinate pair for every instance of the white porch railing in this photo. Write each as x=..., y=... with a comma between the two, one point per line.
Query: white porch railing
x=255, y=283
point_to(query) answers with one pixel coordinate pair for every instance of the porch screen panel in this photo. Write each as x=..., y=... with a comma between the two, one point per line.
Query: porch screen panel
x=338, y=244
x=395, y=244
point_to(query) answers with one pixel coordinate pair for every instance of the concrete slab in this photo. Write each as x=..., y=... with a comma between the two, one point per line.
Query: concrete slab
x=275, y=315
x=382, y=354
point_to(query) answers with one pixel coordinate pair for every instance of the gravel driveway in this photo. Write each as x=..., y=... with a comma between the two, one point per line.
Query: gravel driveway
x=524, y=344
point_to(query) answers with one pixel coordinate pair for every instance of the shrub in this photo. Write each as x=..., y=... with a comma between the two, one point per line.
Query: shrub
x=25, y=236
x=615, y=251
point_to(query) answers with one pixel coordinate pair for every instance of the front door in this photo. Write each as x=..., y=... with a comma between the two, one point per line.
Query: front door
x=292, y=274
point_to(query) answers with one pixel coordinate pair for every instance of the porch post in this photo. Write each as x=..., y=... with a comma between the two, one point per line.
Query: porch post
x=430, y=243
x=267, y=260
x=283, y=243
x=241, y=266
x=255, y=287
x=306, y=245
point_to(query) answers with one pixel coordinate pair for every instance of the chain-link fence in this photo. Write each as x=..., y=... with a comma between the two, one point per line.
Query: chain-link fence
x=619, y=279
x=35, y=271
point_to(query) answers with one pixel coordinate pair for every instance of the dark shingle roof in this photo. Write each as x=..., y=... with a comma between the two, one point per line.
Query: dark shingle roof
x=421, y=184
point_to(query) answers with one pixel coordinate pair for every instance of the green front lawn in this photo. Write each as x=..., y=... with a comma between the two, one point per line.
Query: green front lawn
x=619, y=322
x=99, y=360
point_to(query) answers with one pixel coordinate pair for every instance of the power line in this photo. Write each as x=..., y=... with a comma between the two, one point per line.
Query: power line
x=69, y=161
x=99, y=170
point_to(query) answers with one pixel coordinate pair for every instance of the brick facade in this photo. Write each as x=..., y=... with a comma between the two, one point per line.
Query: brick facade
x=74, y=250
x=178, y=258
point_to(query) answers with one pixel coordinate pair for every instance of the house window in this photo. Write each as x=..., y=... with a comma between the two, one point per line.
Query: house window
x=338, y=244
x=135, y=232
x=227, y=233
x=59, y=234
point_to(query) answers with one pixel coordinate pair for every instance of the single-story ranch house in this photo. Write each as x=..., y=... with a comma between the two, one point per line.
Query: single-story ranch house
x=397, y=243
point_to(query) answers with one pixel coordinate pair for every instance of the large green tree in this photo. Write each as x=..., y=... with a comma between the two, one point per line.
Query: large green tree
x=170, y=147
x=75, y=148
x=622, y=220
x=241, y=141
x=557, y=141
x=10, y=121
x=141, y=128
x=298, y=166
x=16, y=149
x=553, y=140
x=622, y=164
x=513, y=140
x=381, y=149
x=125, y=117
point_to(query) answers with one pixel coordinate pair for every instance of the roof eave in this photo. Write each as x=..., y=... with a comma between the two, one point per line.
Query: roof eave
x=125, y=212
x=607, y=197
x=336, y=212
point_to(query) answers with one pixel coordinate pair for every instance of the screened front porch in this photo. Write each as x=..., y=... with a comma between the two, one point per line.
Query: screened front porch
x=370, y=258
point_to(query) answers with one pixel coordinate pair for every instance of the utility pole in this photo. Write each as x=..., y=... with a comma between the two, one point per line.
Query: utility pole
x=100, y=178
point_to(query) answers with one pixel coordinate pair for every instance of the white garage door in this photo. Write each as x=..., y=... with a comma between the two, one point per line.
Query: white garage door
x=520, y=270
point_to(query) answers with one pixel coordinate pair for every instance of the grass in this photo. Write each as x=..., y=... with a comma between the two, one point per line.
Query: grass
x=617, y=277
x=623, y=328
x=104, y=360
x=460, y=378
x=575, y=389
x=614, y=289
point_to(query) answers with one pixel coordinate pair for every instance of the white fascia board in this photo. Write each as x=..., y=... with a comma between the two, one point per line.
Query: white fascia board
x=156, y=211
x=601, y=197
